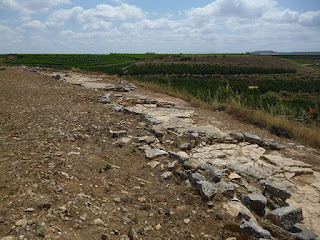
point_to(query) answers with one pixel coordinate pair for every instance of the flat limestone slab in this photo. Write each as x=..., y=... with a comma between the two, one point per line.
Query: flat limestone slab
x=284, y=162
x=95, y=85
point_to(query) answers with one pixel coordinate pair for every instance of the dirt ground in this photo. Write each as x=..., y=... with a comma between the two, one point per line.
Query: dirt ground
x=63, y=177
x=54, y=182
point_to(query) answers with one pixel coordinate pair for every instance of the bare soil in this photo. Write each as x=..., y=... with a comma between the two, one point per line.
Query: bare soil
x=235, y=60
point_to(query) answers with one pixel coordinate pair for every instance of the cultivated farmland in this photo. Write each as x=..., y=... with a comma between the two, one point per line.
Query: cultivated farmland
x=269, y=83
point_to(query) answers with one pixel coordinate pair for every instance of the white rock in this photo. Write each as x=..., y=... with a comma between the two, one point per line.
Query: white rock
x=154, y=153
x=186, y=221
x=22, y=222
x=9, y=238
x=234, y=176
x=98, y=221
x=29, y=210
x=167, y=175
x=153, y=164
x=158, y=227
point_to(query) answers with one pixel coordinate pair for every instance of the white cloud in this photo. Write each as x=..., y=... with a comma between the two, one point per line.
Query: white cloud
x=146, y=24
x=310, y=19
x=97, y=26
x=67, y=33
x=34, y=25
x=31, y=6
x=286, y=16
x=92, y=36
x=233, y=9
x=101, y=12
x=60, y=17
x=221, y=26
x=9, y=38
x=95, y=19
x=9, y=4
x=4, y=28
x=121, y=12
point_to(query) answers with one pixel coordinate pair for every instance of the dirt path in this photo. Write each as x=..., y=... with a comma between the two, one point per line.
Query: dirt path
x=66, y=173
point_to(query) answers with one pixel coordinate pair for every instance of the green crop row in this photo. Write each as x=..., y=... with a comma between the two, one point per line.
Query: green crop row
x=290, y=86
x=154, y=69
x=72, y=60
x=234, y=91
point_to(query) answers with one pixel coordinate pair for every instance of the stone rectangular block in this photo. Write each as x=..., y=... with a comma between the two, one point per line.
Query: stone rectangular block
x=286, y=217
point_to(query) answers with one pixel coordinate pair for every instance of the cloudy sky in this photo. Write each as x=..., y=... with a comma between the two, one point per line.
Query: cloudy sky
x=163, y=26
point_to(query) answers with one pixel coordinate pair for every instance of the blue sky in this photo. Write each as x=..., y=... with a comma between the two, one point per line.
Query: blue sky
x=166, y=26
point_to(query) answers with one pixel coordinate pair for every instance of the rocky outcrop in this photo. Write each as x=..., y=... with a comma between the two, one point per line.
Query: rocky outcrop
x=254, y=139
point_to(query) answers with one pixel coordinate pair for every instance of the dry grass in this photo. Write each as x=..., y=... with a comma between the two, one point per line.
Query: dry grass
x=308, y=134
x=195, y=102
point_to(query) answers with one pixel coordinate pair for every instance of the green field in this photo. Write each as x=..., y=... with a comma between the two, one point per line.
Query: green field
x=280, y=90
x=291, y=98
x=201, y=69
x=71, y=60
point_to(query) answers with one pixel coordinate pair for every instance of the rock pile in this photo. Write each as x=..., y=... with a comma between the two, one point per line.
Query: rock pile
x=221, y=163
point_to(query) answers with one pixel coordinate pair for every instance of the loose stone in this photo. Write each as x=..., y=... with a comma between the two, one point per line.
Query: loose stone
x=227, y=189
x=167, y=175
x=302, y=233
x=214, y=173
x=258, y=203
x=154, y=153
x=275, y=190
x=181, y=156
x=286, y=217
x=254, y=230
x=206, y=189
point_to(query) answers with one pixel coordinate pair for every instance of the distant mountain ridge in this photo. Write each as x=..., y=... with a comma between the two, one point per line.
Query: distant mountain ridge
x=270, y=52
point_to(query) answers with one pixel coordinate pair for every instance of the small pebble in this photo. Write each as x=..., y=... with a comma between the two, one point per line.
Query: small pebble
x=158, y=227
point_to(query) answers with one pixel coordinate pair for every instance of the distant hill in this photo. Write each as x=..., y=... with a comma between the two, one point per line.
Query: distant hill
x=267, y=52
x=270, y=52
